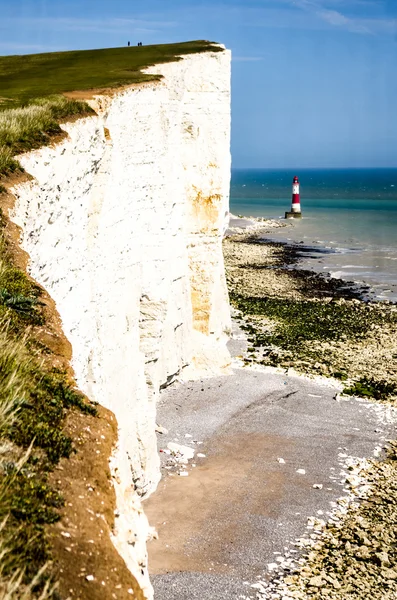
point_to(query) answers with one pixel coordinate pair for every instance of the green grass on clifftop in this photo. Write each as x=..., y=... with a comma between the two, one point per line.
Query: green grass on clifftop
x=36, y=75
x=31, y=100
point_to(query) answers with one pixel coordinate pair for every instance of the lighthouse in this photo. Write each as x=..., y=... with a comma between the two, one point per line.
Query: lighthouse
x=295, y=212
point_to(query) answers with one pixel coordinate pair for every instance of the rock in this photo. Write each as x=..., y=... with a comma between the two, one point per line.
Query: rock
x=382, y=557
x=363, y=552
x=354, y=481
x=301, y=471
x=185, y=452
x=281, y=461
x=162, y=430
x=318, y=486
x=316, y=581
x=258, y=586
x=389, y=573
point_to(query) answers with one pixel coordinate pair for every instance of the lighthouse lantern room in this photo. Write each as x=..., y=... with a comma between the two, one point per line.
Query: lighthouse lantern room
x=295, y=212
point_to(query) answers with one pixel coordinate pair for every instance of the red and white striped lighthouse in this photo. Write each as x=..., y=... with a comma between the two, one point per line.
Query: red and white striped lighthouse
x=296, y=203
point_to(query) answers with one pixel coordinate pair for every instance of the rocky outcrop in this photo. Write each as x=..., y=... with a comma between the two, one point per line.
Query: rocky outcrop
x=123, y=222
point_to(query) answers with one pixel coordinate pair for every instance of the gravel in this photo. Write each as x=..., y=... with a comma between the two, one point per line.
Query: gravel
x=292, y=496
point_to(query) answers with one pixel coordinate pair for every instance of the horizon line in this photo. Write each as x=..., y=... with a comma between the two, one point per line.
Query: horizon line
x=307, y=168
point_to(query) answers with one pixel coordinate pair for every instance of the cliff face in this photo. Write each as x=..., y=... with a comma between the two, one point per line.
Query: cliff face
x=123, y=223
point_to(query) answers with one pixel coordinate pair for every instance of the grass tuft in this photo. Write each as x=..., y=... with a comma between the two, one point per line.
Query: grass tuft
x=28, y=127
x=8, y=164
x=34, y=401
x=14, y=588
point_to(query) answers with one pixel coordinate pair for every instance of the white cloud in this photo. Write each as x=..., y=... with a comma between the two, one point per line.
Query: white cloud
x=333, y=17
x=112, y=25
x=336, y=18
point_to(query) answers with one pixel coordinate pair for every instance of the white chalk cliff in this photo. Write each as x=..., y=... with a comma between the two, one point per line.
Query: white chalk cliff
x=123, y=221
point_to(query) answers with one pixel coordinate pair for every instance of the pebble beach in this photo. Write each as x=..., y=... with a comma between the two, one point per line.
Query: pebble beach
x=313, y=324
x=305, y=320
x=279, y=480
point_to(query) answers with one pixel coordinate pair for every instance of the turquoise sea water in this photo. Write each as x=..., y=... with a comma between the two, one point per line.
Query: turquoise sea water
x=349, y=218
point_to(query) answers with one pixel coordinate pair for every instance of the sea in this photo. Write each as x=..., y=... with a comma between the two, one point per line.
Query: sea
x=349, y=219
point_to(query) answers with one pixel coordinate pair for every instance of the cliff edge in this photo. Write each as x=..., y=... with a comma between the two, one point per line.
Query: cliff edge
x=123, y=222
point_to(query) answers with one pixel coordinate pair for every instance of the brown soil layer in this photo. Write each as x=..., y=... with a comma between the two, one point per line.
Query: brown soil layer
x=90, y=94
x=81, y=540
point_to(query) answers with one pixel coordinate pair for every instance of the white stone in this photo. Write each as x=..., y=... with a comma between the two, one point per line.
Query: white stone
x=184, y=451
x=161, y=430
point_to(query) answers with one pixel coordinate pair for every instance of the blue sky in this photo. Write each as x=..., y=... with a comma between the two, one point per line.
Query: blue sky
x=314, y=82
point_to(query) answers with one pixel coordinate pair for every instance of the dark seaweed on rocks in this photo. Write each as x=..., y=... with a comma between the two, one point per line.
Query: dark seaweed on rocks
x=298, y=321
x=308, y=321
x=372, y=388
x=314, y=285
x=305, y=333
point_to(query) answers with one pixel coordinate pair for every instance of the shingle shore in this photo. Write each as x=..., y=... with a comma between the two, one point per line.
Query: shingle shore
x=313, y=323
x=318, y=325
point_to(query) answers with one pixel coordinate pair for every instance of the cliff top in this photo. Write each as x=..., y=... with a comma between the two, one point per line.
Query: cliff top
x=23, y=77
x=33, y=89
